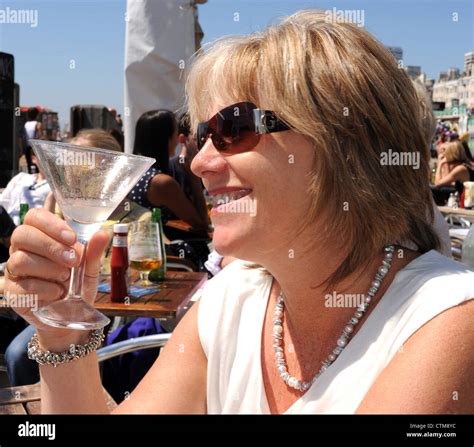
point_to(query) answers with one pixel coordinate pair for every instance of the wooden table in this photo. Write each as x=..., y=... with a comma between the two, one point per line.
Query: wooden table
x=184, y=226
x=179, y=225
x=170, y=302
x=26, y=400
x=457, y=211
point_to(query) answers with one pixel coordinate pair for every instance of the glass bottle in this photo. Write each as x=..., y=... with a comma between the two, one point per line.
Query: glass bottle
x=119, y=264
x=156, y=217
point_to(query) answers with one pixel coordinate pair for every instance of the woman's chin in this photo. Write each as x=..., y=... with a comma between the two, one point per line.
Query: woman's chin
x=228, y=241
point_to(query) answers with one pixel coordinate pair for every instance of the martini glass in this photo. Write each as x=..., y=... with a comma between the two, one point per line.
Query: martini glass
x=88, y=184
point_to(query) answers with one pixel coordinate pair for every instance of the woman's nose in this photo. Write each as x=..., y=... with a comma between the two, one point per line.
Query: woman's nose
x=208, y=161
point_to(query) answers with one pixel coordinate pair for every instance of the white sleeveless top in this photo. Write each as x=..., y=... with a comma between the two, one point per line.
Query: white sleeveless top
x=230, y=321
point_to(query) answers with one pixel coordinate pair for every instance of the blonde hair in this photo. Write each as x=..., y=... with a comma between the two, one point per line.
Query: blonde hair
x=455, y=153
x=337, y=85
x=97, y=138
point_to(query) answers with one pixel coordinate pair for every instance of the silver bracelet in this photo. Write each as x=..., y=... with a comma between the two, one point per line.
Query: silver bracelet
x=73, y=353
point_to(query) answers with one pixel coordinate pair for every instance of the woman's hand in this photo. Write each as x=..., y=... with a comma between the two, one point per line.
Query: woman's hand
x=42, y=252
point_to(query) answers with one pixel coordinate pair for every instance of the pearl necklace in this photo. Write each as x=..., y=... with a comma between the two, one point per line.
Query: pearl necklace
x=343, y=339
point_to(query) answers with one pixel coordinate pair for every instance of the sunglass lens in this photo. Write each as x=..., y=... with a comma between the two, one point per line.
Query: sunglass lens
x=236, y=129
x=232, y=129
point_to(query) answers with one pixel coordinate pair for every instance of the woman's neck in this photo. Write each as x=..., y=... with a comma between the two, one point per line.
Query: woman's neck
x=309, y=306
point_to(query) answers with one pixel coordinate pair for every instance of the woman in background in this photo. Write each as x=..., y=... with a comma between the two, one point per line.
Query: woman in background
x=87, y=138
x=455, y=162
x=156, y=136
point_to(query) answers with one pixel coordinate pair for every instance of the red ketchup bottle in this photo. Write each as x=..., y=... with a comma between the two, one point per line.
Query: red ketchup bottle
x=119, y=264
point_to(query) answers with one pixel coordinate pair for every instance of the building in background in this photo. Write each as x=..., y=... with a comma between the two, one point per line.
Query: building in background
x=456, y=90
x=397, y=53
x=414, y=72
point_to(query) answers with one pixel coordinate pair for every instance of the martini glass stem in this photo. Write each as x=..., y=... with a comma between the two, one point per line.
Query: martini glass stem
x=77, y=276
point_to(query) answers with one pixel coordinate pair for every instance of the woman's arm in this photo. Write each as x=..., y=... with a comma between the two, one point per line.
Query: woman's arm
x=434, y=371
x=164, y=190
x=176, y=383
x=459, y=173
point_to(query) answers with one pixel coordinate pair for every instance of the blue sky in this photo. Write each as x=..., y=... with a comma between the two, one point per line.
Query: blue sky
x=92, y=32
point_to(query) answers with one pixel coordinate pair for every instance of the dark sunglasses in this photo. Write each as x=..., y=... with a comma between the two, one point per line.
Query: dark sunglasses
x=238, y=128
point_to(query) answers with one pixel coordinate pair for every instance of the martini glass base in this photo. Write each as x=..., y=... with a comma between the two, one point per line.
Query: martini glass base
x=72, y=313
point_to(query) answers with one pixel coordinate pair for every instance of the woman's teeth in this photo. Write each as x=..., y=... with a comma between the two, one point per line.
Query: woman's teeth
x=221, y=199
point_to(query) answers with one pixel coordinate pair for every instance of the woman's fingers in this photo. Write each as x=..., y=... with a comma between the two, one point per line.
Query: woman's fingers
x=33, y=240
x=26, y=264
x=95, y=248
x=51, y=225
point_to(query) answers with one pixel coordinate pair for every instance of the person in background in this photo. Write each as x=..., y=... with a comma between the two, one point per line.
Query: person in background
x=87, y=138
x=453, y=136
x=459, y=168
x=156, y=136
x=117, y=117
x=428, y=124
x=32, y=130
x=464, y=138
x=31, y=189
x=187, y=149
x=442, y=138
x=118, y=136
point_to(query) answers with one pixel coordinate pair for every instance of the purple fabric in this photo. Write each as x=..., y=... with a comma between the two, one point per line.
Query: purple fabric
x=122, y=374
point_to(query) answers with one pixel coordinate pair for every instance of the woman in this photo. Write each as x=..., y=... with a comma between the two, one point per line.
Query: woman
x=156, y=136
x=331, y=99
x=456, y=165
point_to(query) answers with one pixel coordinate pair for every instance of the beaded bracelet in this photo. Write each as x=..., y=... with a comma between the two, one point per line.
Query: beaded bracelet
x=74, y=352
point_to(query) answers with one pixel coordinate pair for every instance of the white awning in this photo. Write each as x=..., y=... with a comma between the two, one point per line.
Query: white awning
x=159, y=41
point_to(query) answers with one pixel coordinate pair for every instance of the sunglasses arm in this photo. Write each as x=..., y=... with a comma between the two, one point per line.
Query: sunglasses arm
x=266, y=122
